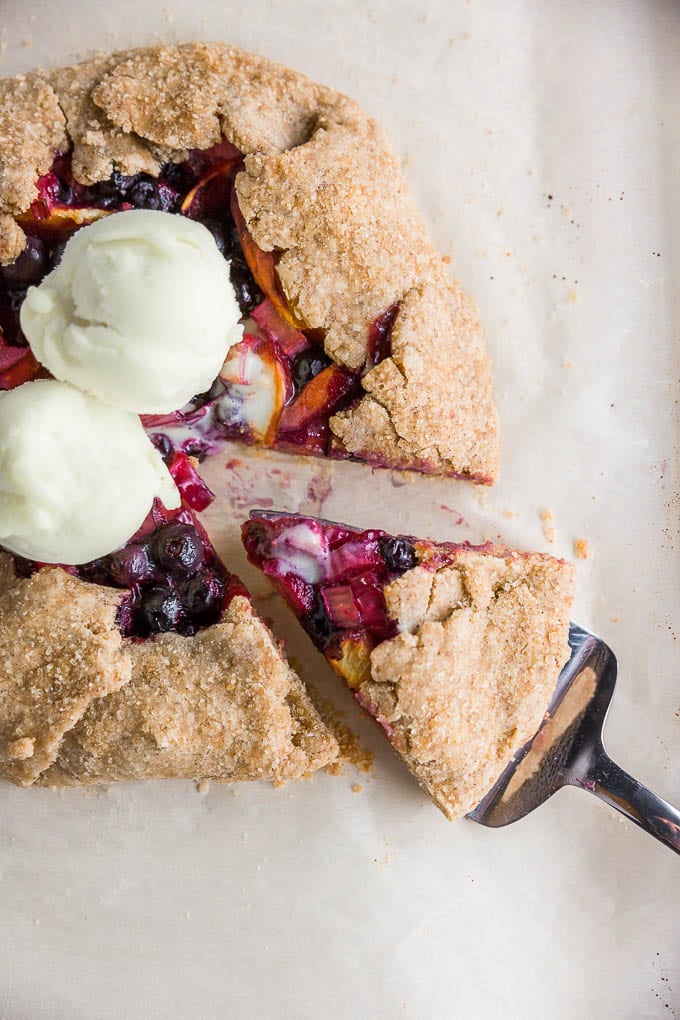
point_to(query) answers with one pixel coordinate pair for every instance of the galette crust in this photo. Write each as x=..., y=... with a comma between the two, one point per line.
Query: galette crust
x=427, y=417
x=79, y=704
x=60, y=650
x=468, y=679
x=222, y=705
x=321, y=188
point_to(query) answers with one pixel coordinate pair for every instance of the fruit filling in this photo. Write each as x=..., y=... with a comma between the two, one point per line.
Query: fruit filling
x=174, y=578
x=333, y=577
x=175, y=581
x=277, y=387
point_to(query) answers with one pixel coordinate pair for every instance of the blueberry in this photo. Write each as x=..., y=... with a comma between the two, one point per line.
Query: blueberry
x=148, y=194
x=199, y=399
x=96, y=571
x=318, y=622
x=178, y=176
x=108, y=194
x=202, y=593
x=10, y=328
x=178, y=548
x=131, y=565
x=307, y=365
x=15, y=299
x=125, y=616
x=120, y=184
x=28, y=269
x=145, y=195
x=106, y=201
x=162, y=609
x=217, y=231
x=248, y=294
x=196, y=447
x=23, y=567
x=56, y=253
x=65, y=195
x=162, y=443
x=398, y=553
x=232, y=241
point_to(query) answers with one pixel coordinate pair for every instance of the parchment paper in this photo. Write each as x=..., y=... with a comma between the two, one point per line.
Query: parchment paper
x=542, y=143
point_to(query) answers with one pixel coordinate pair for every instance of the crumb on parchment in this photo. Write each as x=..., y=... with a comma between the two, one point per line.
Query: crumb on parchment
x=581, y=549
x=547, y=520
x=351, y=750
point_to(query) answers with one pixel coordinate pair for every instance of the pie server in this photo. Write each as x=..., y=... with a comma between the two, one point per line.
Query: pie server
x=568, y=751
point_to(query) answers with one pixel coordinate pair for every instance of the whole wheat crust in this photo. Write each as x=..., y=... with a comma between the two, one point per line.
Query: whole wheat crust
x=81, y=704
x=469, y=677
x=320, y=187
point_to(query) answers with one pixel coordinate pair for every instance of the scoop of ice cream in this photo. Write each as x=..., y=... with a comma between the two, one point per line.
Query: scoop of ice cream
x=77, y=476
x=140, y=311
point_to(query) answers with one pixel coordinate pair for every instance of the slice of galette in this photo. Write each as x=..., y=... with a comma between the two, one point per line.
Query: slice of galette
x=357, y=342
x=147, y=663
x=453, y=649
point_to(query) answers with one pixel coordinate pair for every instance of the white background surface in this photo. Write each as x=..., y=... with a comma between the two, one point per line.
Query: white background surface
x=312, y=901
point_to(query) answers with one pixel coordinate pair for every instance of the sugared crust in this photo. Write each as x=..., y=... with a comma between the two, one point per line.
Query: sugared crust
x=60, y=651
x=469, y=679
x=320, y=186
x=430, y=403
x=79, y=704
x=99, y=147
x=352, y=241
x=32, y=128
x=186, y=97
x=223, y=705
x=12, y=238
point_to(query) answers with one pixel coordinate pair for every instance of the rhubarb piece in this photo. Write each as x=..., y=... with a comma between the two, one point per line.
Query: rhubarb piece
x=453, y=649
x=17, y=366
x=291, y=341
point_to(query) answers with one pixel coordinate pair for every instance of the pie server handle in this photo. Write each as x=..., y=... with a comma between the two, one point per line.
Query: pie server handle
x=601, y=776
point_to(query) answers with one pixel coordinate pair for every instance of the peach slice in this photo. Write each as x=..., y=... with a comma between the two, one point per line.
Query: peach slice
x=319, y=398
x=262, y=265
x=354, y=661
x=58, y=220
x=211, y=194
x=257, y=386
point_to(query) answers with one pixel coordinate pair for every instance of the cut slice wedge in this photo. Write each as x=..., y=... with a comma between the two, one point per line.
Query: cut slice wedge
x=149, y=663
x=453, y=649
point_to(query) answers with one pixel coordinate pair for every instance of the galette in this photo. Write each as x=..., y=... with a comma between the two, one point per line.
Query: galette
x=199, y=246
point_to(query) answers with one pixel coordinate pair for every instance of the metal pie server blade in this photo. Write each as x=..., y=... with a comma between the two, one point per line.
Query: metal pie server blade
x=568, y=751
